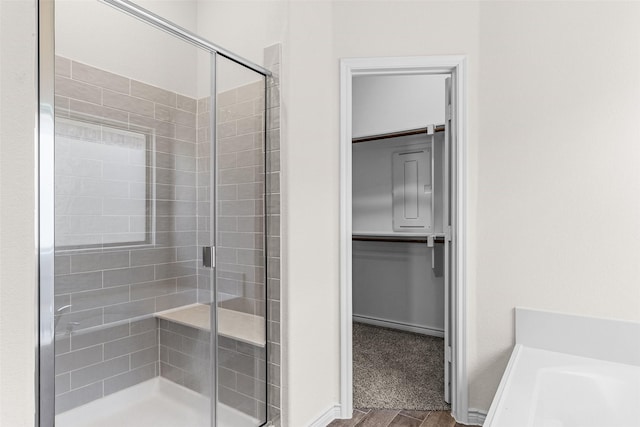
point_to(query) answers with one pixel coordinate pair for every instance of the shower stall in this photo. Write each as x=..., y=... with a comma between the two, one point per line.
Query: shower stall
x=153, y=223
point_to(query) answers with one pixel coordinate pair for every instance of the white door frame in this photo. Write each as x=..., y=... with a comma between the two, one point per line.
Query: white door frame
x=456, y=66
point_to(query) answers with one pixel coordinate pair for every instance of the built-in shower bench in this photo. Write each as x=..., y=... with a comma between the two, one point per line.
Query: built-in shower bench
x=237, y=325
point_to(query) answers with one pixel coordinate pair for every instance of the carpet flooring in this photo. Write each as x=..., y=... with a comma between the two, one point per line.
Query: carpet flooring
x=397, y=370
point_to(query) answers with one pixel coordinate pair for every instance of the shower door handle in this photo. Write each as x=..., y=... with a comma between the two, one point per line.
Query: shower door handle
x=209, y=256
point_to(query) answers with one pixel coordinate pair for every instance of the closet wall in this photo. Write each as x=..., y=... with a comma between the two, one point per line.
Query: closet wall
x=384, y=104
x=394, y=283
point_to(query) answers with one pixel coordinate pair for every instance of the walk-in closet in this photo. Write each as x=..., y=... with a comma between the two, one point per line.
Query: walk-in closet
x=401, y=233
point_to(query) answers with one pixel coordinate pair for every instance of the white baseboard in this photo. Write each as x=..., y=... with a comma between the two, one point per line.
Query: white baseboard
x=326, y=417
x=418, y=329
x=476, y=417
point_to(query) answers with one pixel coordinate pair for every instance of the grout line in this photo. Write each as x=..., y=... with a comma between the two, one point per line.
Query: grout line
x=409, y=416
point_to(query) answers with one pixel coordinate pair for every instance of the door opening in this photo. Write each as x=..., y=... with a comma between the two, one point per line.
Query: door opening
x=402, y=226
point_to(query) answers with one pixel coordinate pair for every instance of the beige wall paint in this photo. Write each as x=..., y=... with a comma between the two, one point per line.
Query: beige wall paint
x=99, y=35
x=311, y=183
x=558, y=219
x=17, y=213
x=243, y=27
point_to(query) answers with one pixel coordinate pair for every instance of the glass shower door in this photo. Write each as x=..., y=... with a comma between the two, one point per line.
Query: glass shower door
x=240, y=267
x=133, y=337
x=160, y=291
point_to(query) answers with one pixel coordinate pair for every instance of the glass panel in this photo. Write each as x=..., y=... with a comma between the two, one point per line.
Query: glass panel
x=133, y=341
x=240, y=255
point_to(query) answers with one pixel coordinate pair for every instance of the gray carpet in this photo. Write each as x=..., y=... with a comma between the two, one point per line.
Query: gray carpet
x=397, y=370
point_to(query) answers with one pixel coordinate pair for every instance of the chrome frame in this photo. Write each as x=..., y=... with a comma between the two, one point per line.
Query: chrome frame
x=267, y=232
x=151, y=18
x=45, y=138
x=213, y=236
x=45, y=372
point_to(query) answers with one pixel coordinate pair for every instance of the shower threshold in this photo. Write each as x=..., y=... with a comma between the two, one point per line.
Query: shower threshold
x=153, y=403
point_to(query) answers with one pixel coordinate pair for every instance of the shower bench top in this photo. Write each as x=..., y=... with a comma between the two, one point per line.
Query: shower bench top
x=239, y=326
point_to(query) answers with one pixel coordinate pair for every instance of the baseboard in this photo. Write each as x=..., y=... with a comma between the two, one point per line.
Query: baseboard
x=326, y=417
x=476, y=417
x=418, y=329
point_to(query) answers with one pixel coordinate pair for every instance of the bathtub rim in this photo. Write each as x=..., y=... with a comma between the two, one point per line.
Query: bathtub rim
x=505, y=383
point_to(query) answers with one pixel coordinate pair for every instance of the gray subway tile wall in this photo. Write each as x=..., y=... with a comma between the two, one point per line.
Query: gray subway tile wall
x=101, y=356
x=107, y=339
x=185, y=356
x=241, y=195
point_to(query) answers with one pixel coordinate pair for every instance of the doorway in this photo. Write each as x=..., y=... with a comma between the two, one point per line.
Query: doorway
x=439, y=228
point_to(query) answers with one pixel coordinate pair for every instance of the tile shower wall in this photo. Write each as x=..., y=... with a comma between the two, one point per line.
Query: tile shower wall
x=101, y=294
x=240, y=149
x=203, y=188
x=272, y=61
x=90, y=365
x=184, y=356
x=241, y=376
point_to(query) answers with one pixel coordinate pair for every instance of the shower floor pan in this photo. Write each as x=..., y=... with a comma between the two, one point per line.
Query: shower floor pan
x=153, y=403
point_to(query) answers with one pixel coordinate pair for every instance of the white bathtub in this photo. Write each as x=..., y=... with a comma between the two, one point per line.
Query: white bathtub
x=543, y=388
x=573, y=387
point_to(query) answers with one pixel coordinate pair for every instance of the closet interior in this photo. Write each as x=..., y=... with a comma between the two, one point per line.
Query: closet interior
x=401, y=233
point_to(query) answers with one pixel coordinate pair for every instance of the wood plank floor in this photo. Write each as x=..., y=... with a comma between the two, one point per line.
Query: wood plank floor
x=395, y=418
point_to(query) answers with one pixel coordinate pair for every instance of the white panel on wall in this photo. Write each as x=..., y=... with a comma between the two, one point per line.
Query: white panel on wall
x=412, y=190
x=373, y=183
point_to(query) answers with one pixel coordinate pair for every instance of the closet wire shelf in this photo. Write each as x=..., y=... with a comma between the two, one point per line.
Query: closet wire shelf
x=419, y=131
x=408, y=239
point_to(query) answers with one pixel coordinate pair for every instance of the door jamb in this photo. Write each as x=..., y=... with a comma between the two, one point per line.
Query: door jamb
x=449, y=64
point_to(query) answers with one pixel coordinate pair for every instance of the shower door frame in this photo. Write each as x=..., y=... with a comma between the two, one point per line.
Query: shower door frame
x=45, y=139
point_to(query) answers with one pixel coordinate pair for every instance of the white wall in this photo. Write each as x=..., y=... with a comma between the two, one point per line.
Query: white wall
x=384, y=104
x=243, y=27
x=310, y=183
x=99, y=35
x=17, y=213
x=558, y=194
x=395, y=283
